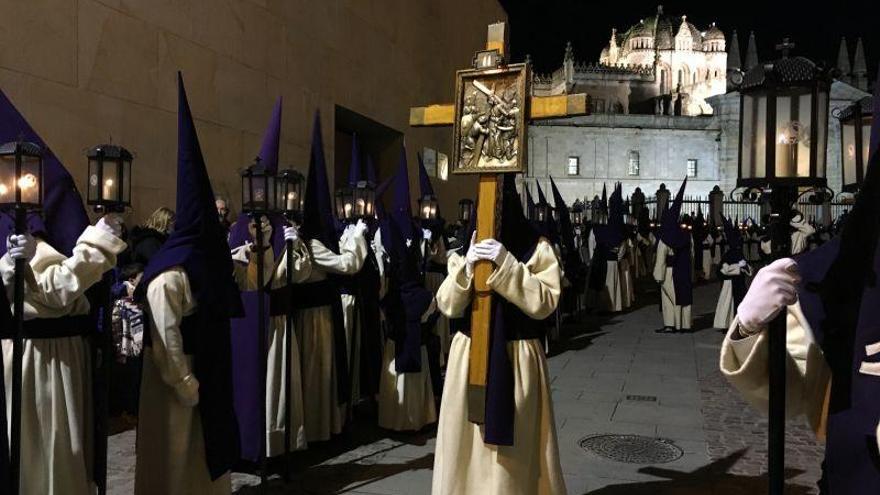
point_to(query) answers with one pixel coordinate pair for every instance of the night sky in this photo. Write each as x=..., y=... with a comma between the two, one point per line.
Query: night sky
x=542, y=27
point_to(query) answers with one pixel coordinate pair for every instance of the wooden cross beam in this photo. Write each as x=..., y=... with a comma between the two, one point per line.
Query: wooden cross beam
x=488, y=211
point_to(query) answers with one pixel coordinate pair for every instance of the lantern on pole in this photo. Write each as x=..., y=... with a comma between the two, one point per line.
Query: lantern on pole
x=109, y=181
x=783, y=141
x=428, y=207
x=258, y=195
x=353, y=203
x=21, y=191
x=289, y=187
x=465, y=211
x=577, y=213
x=855, y=141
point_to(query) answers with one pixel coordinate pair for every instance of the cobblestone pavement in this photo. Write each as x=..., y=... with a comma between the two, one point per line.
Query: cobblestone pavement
x=612, y=375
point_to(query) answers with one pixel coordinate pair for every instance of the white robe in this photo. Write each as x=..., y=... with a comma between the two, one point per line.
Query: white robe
x=56, y=390
x=463, y=464
x=276, y=384
x=627, y=284
x=674, y=316
x=323, y=413
x=170, y=443
x=707, y=268
x=436, y=252
x=724, y=309
x=611, y=296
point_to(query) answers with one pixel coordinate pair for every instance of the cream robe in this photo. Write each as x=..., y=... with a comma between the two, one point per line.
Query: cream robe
x=724, y=310
x=611, y=297
x=436, y=252
x=463, y=464
x=170, y=443
x=56, y=391
x=675, y=316
x=744, y=363
x=323, y=414
x=276, y=385
x=708, y=272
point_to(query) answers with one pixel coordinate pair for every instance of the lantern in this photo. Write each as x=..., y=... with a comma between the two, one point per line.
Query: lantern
x=784, y=123
x=542, y=212
x=855, y=141
x=21, y=176
x=258, y=194
x=289, y=185
x=465, y=211
x=577, y=213
x=428, y=207
x=109, y=184
x=343, y=200
x=364, y=199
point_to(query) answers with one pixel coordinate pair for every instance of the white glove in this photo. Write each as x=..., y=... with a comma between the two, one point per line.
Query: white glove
x=471, y=257
x=111, y=224
x=360, y=228
x=291, y=234
x=21, y=247
x=187, y=391
x=774, y=288
x=492, y=250
x=427, y=234
x=742, y=263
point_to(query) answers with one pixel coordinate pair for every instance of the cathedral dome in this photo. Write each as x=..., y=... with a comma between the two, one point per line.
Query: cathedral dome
x=713, y=33
x=662, y=29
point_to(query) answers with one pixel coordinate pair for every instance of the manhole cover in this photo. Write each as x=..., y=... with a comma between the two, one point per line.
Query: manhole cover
x=633, y=449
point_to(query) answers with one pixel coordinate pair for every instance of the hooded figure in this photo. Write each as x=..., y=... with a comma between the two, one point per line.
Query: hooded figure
x=188, y=436
x=546, y=227
x=703, y=246
x=246, y=359
x=607, y=245
x=673, y=269
x=406, y=392
x=320, y=323
x=65, y=257
x=831, y=338
x=644, y=242
x=519, y=427
x=573, y=267
x=434, y=254
x=733, y=272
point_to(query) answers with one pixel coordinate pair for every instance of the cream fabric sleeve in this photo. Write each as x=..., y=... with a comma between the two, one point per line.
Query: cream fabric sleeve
x=454, y=294
x=660, y=261
x=170, y=299
x=744, y=363
x=302, y=265
x=534, y=286
x=352, y=253
x=730, y=270
x=60, y=281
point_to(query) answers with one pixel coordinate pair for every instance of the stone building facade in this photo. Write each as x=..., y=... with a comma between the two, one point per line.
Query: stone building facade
x=86, y=71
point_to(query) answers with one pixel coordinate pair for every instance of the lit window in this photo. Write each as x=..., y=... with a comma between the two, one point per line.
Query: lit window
x=442, y=166
x=574, y=165
x=692, y=167
x=633, y=163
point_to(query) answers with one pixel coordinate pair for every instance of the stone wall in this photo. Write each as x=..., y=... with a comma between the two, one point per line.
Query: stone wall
x=88, y=71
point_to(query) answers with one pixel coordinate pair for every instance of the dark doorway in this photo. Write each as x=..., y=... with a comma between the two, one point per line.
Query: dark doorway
x=375, y=140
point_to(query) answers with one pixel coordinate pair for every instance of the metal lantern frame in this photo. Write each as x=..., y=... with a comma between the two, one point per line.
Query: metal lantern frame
x=290, y=193
x=855, y=140
x=258, y=194
x=355, y=202
x=543, y=212
x=109, y=180
x=21, y=176
x=465, y=210
x=576, y=214
x=428, y=206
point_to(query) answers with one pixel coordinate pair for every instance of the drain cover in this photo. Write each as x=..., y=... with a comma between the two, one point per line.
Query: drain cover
x=632, y=449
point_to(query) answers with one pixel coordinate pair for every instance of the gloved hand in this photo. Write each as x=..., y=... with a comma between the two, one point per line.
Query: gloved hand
x=187, y=391
x=21, y=247
x=492, y=250
x=774, y=288
x=427, y=234
x=110, y=223
x=471, y=257
x=360, y=228
x=742, y=263
x=291, y=233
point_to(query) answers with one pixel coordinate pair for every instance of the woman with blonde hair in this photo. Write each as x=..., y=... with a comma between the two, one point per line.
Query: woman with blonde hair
x=146, y=239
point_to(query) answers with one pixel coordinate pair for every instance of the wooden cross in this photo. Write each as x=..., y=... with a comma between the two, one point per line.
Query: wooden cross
x=488, y=214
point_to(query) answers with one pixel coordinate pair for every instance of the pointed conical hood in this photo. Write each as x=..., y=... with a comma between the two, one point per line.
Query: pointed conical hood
x=318, y=221
x=401, y=207
x=272, y=139
x=734, y=252
x=354, y=168
x=734, y=61
x=542, y=200
x=64, y=217
x=843, y=60
x=380, y=191
x=239, y=232
x=604, y=204
x=562, y=213
x=516, y=231
x=530, y=203
x=371, y=171
x=751, y=53
x=425, y=188
x=670, y=231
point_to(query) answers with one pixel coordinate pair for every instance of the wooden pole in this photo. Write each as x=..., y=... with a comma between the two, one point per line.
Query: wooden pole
x=17, y=355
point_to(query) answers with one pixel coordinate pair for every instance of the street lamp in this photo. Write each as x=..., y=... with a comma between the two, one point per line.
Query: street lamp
x=855, y=140
x=109, y=182
x=21, y=191
x=465, y=211
x=783, y=140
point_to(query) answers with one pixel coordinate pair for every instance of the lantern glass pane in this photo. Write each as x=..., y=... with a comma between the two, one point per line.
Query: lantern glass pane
x=754, y=136
x=30, y=182
x=246, y=199
x=821, y=122
x=848, y=134
x=866, y=142
x=7, y=179
x=259, y=191
x=126, y=182
x=94, y=189
x=110, y=182
x=270, y=204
